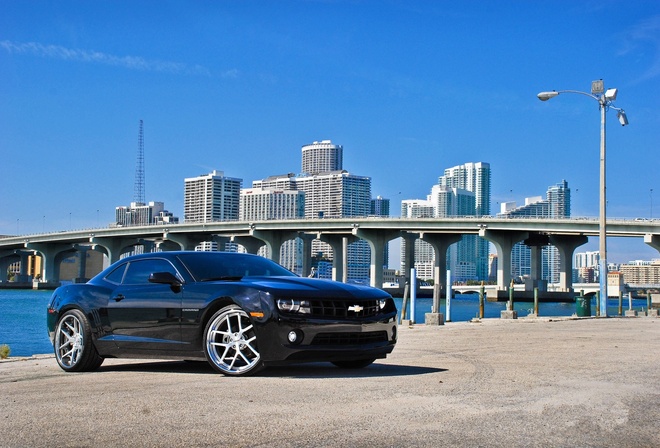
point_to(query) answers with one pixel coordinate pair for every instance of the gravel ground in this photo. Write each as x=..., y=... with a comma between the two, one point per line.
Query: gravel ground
x=494, y=383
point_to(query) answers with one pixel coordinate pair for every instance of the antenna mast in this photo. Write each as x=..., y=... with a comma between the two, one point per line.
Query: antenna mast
x=139, y=169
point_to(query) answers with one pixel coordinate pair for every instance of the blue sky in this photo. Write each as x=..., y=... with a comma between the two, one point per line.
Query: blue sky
x=409, y=88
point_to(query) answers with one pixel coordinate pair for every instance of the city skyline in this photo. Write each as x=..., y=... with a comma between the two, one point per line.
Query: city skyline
x=407, y=88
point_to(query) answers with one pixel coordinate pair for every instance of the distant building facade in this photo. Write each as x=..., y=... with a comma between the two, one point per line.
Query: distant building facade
x=139, y=214
x=212, y=197
x=556, y=205
x=641, y=272
x=463, y=190
x=258, y=204
x=322, y=157
x=330, y=192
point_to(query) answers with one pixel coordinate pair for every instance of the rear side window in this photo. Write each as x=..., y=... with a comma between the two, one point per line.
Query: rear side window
x=138, y=272
x=117, y=274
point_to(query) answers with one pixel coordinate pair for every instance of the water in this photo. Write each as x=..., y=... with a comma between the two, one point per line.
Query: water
x=23, y=322
x=464, y=307
x=23, y=315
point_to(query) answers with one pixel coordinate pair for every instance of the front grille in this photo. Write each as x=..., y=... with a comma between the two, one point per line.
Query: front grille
x=350, y=338
x=341, y=308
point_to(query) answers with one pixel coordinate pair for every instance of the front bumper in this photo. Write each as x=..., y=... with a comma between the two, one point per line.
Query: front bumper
x=321, y=340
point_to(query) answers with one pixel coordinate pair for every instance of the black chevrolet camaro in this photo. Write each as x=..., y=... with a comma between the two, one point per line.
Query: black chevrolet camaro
x=239, y=312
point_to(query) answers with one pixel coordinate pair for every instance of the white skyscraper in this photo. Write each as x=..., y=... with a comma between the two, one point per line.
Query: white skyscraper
x=258, y=204
x=321, y=157
x=330, y=192
x=472, y=251
x=212, y=197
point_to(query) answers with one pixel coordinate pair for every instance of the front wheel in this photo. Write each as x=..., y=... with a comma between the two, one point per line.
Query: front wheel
x=355, y=364
x=230, y=343
x=73, y=345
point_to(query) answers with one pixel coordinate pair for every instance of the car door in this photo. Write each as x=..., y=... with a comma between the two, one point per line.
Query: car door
x=144, y=315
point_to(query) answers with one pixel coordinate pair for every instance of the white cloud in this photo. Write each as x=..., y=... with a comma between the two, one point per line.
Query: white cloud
x=129, y=62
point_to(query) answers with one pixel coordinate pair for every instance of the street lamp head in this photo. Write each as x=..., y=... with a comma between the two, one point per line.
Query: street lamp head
x=623, y=119
x=610, y=94
x=545, y=96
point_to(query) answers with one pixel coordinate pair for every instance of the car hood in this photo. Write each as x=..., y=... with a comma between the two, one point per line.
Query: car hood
x=302, y=286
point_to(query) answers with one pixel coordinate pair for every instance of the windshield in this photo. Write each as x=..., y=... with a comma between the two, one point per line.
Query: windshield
x=206, y=266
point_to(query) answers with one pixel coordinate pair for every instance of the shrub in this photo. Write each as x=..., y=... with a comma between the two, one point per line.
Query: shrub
x=4, y=351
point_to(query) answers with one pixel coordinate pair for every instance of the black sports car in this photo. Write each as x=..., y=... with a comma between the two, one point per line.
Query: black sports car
x=239, y=312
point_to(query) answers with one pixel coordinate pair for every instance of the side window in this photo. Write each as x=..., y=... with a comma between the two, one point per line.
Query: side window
x=116, y=275
x=138, y=271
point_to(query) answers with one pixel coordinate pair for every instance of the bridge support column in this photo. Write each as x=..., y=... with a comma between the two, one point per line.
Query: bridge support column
x=503, y=242
x=652, y=240
x=184, y=240
x=536, y=242
x=408, y=255
x=339, y=245
x=82, y=263
x=440, y=243
x=52, y=255
x=274, y=240
x=113, y=247
x=566, y=245
x=250, y=243
x=23, y=276
x=377, y=240
x=306, y=253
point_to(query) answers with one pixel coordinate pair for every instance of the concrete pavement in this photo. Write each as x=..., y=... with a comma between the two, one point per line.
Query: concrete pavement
x=497, y=383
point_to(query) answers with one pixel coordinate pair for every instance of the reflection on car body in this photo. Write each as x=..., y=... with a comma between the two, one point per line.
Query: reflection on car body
x=239, y=312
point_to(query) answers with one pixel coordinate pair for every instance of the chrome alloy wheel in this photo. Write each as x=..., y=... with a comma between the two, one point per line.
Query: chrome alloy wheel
x=69, y=341
x=230, y=342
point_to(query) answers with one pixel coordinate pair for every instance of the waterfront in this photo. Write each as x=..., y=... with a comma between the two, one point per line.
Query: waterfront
x=23, y=315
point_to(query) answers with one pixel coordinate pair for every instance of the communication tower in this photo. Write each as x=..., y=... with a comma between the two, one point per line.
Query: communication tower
x=138, y=195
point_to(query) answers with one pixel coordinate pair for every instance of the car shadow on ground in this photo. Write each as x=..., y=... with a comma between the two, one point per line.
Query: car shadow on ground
x=311, y=370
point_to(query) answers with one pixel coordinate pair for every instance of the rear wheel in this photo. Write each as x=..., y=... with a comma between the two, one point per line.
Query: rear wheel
x=355, y=364
x=73, y=345
x=230, y=343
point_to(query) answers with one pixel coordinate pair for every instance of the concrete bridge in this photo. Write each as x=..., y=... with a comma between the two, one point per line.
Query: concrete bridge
x=565, y=234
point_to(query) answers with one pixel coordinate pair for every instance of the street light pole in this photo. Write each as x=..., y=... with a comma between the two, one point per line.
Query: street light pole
x=602, y=220
x=605, y=100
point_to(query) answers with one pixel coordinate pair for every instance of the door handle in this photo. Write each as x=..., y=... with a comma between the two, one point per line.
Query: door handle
x=119, y=298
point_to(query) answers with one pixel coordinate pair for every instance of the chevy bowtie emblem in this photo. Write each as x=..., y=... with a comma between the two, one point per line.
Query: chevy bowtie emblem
x=356, y=308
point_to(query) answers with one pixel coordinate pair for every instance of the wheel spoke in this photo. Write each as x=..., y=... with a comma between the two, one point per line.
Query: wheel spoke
x=231, y=343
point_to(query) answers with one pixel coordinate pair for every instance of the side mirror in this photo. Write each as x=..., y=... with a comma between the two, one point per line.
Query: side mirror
x=166, y=278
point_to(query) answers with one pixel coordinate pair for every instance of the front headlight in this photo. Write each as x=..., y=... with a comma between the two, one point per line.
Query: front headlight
x=294, y=306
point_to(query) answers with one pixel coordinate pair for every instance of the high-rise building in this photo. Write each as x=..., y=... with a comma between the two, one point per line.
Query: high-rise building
x=140, y=214
x=443, y=202
x=322, y=157
x=258, y=204
x=381, y=207
x=330, y=192
x=472, y=251
x=212, y=197
x=556, y=205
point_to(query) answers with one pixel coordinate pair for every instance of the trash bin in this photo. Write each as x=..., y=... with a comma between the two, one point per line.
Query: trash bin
x=583, y=306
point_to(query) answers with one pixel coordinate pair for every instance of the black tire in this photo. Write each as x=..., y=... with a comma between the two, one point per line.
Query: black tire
x=355, y=364
x=230, y=343
x=73, y=346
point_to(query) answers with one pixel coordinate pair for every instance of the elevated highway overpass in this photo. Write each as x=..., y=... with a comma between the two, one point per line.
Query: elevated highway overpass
x=565, y=234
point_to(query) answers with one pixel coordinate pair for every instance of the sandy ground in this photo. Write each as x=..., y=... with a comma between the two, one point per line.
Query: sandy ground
x=497, y=383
